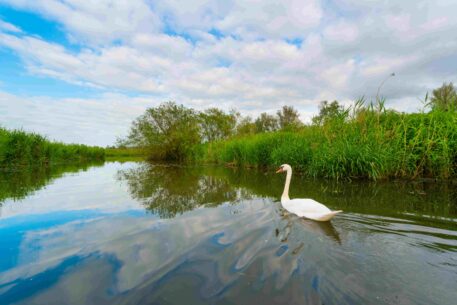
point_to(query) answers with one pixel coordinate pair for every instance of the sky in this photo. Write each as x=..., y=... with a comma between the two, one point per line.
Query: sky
x=80, y=71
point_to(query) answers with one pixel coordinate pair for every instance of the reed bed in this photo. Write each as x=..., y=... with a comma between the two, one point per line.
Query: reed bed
x=362, y=142
x=21, y=149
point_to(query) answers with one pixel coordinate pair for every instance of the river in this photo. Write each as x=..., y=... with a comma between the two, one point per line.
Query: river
x=139, y=233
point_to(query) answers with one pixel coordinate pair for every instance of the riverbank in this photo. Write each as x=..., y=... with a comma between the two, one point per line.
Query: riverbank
x=362, y=141
x=363, y=144
x=125, y=152
x=22, y=149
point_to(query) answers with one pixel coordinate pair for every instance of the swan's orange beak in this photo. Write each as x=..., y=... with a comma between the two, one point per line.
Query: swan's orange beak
x=280, y=170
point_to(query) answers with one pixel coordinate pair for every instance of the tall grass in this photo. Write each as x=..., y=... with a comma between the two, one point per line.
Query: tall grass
x=362, y=142
x=19, y=148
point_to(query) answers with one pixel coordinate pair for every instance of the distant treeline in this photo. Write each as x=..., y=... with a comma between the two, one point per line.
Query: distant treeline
x=117, y=152
x=19, y=149
x=364, y=140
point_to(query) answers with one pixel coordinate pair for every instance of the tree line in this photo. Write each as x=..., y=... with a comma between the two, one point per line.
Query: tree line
x=170, y=131
x=173, y=132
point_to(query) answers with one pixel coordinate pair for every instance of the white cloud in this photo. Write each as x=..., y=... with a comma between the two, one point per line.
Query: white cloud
x=96, y=121
x=345, y=50
x=98, y=21
x=341, y=31
x=272, y=19
x=247, y=19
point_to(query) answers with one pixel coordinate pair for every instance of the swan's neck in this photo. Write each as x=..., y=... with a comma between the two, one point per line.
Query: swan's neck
x=285, y=193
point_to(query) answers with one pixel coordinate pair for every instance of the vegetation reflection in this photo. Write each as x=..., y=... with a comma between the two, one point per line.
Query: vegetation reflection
x=170, y=190
x=18, y=184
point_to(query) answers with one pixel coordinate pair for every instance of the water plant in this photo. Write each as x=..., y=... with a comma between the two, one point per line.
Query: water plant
x=19, y=148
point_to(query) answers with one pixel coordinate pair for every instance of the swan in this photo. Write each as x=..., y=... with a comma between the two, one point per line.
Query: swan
x=308, y=208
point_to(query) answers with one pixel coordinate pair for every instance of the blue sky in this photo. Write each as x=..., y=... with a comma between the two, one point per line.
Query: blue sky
x=81, y=72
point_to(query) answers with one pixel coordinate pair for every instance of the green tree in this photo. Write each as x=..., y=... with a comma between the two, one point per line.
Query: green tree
x=266, y=123
x=328, y=111
x=168, y=132
x=444, y=98
x=216, y=124
x=245, y=126
x=288, y=118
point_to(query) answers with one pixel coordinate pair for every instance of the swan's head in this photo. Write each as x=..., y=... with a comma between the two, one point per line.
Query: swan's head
x=284, y=168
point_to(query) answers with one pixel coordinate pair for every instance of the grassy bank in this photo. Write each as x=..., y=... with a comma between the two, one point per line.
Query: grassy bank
x=358, y=143
x=20, y=149
x=125, y=152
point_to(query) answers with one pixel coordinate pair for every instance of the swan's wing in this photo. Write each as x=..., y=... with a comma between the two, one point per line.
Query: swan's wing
x=309, y=208
x=299, y=206
x=322, y=217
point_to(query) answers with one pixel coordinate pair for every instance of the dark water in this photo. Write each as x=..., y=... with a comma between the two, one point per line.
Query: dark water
x=135, y=233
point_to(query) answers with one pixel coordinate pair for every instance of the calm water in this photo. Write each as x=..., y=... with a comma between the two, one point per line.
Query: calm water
x=135, y=233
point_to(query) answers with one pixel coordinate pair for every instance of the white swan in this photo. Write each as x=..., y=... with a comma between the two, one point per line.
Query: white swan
x=308, y=208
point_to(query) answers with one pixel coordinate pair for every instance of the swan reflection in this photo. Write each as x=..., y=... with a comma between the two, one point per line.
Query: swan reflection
x=323, y=228
x=316, y=228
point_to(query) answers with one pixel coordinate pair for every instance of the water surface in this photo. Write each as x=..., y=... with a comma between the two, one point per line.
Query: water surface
x=136, y=233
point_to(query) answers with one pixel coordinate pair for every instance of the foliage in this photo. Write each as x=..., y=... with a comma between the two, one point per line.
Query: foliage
x=361, y=141
x=19, y=148
x=368, y=142
x=168, y=132
x=328, y=111
x=288, y=118
x=444, y=98
x=245, y=126
x=124, y=152
x=266, y=123
x=175, y=133
x=216, y=124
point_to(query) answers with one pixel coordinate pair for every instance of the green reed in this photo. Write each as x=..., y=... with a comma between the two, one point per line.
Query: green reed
x=19, y=148
x=362, y=142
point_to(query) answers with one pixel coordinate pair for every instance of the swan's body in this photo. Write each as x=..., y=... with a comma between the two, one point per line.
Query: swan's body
x=308, y=208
